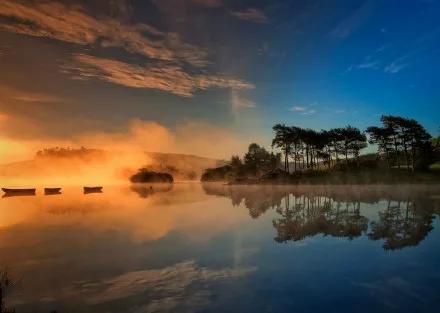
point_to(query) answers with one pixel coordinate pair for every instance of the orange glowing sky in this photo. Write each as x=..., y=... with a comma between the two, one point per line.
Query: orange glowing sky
x=207, y=77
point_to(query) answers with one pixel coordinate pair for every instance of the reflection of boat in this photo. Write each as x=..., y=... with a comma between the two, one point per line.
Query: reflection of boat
x=92, y=189
x=18, y=192
x=52, y=191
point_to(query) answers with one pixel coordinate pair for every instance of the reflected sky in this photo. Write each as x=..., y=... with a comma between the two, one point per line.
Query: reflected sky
x=216, y=248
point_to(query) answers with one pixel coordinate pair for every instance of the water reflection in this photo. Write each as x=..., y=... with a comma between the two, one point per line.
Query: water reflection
x=309, y=216
x=211, y=248
x=402, y=224
x=146, y=190
x=404, y=214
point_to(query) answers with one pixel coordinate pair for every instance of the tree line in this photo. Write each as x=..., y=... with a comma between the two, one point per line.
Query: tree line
x=398, y=138
x=256, y=162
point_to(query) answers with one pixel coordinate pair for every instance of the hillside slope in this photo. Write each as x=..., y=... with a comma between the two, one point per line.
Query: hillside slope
x=90, y=165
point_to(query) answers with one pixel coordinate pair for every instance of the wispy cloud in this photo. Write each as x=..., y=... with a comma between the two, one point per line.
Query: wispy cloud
x=251, y=15
x=392, y=59
x=297, y=109
x=36, y=98
x=302, y=110
x=239, y=102
x=209, y=3
x=170, y=65
x=394, y=67
x=174, y=4
x=8, y=93
x=398, y=64
x=377, y=61
x=422, y=45
x=366, y=64
x=73, y=24
x=169, y=78
x=353, y=21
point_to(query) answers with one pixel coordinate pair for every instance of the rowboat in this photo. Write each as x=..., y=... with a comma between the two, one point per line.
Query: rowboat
x=52, y=191
x=97, y=189
x=19, y=192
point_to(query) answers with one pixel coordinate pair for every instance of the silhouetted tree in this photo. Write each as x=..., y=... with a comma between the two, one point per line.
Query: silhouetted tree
x=402, y=136
x=351, y=141
x=390, y=123
x=335, y=139
x=258, y=160
x=381, y=137
x=283, y=140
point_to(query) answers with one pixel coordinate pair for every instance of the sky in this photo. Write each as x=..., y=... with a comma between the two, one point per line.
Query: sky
x=208, y=77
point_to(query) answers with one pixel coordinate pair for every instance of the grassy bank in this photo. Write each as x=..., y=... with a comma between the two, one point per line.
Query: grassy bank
x=361, y=176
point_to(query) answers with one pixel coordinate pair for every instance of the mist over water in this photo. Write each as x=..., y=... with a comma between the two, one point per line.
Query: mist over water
x=190, y=247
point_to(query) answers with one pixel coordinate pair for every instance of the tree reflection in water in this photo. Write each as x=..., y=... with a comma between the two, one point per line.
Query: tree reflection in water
x=404, y=213
x=402, y=224
x=305, y=216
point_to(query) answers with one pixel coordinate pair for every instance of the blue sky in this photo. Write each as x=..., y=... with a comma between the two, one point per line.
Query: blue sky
x=73, y=67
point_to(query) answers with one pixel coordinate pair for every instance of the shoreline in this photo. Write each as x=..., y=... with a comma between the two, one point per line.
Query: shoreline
x=395, y=177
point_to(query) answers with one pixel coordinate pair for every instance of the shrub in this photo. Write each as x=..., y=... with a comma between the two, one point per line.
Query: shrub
x=145, y=176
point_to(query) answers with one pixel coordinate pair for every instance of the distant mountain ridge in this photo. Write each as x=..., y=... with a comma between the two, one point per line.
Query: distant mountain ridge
x=69, y=161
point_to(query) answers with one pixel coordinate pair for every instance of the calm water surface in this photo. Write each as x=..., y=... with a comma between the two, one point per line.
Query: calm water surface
x=214, y=248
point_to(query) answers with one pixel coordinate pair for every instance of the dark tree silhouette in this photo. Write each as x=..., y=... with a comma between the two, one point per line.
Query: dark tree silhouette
x=283, y=140
x=381, y=137
x=402, y=136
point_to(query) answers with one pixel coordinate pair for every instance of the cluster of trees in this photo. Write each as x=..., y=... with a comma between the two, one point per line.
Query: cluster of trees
x=399, y=137
x=59, y=152
x=144, y=175
x=401, y=142
x=256, y=162
x=308, y=148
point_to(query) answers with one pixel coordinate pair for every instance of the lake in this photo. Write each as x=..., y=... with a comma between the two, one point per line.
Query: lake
x=216, y=248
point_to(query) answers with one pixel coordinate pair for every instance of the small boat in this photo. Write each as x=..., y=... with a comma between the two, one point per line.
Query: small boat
x=52, y=191
x=18, y=192
x=97, y=189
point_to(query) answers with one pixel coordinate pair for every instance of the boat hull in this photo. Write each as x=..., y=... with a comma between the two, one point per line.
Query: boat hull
x=18, y=192
x=52, y=191
x=92, y=189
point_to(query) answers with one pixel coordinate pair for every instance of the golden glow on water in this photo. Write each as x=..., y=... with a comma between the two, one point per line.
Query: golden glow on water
x=173, y=243
x=119, y=208
x=41, y=236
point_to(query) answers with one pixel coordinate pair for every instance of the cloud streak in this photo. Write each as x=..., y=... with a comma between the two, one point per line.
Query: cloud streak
x=72, y=24
x=251, y=15
x=354, y=21
x=208, y=3
x=168, y=78
x=398, y=64
x=172, y=65
x=239, y=102
x=302, y=110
